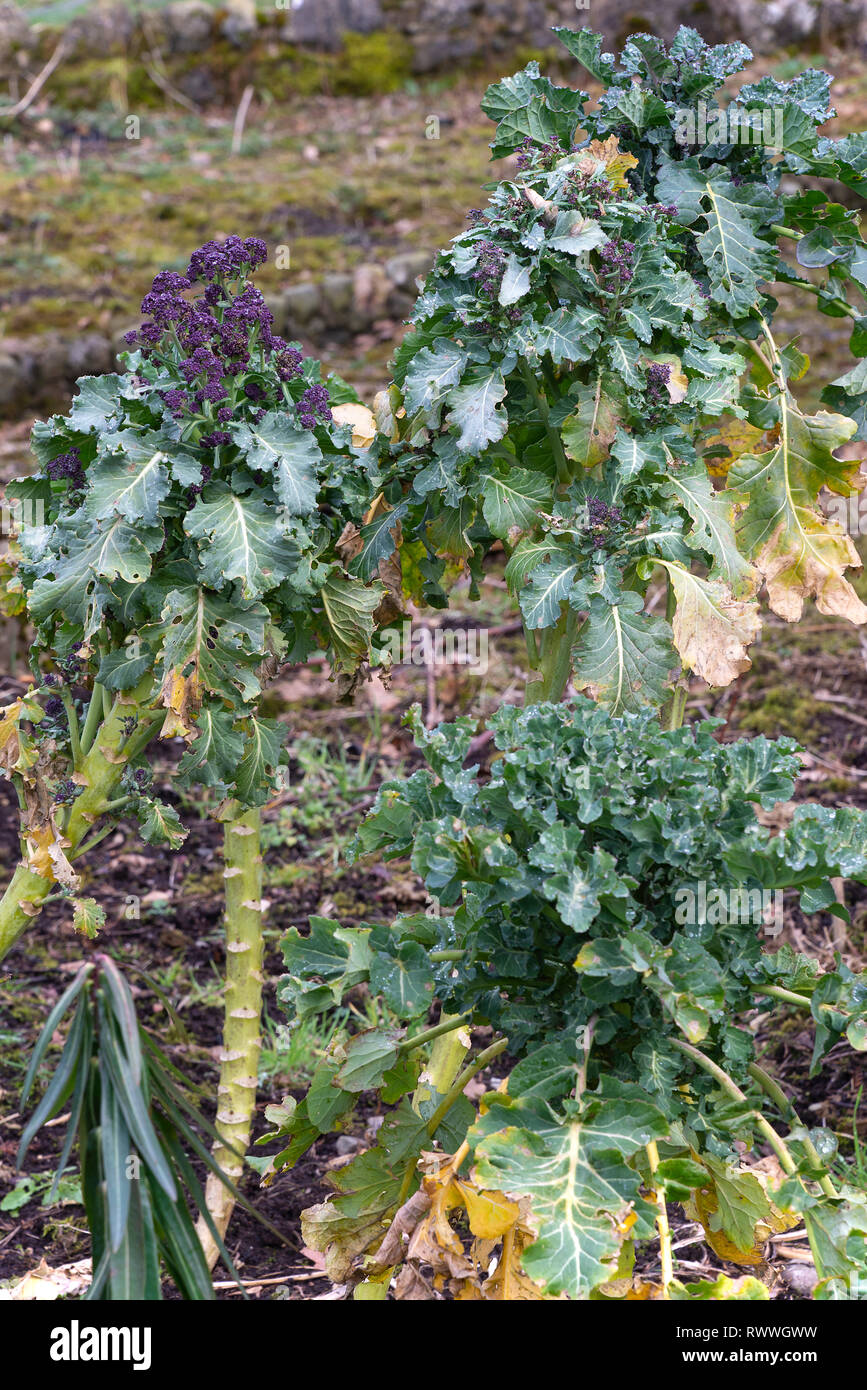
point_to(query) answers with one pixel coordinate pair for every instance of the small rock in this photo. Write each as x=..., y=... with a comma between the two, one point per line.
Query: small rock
x=241, y=21
x=801, y=1278
x=370, y=286
x=53, y=357
x=322, y=22
x=188, y=25
x=198, y=84
x=301, y=302
x=337, y=291
x=403, y=270
x=15, y=32
x=11, y=380
x=89, y=355
x=346, y=1144
x=277, y=304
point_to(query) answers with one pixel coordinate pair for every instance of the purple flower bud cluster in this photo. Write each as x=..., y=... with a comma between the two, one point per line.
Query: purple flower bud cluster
x=601, y=521
x=658, y=377
x=67, y=466
x=314, y=402
x=526, y=152
x=617, y=256
x=664, y=209
x=580, y=187
x=177, y=401
x=129, y=725
x=232, y=258
x=217, y=331
x=66, y=792
x=215, y=439
x=54, y=707
x=491, y=326
x=489, y=267
x=141, y=777
x=70, y=667
x=530, y=153
x=288, y=363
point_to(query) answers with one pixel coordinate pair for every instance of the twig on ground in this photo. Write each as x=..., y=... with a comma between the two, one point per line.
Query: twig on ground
x=36, y=86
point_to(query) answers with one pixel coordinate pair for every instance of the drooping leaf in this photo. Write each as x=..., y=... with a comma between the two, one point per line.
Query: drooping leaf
x=712, y=628
x=584, y=1196
x=800, y=553
x=348, y=608
x=623, y=655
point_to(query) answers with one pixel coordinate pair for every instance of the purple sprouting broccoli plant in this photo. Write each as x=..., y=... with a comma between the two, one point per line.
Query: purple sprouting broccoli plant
x=196, y=511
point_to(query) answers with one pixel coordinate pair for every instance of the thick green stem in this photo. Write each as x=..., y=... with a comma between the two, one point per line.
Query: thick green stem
x=817, y=290
x=788, y=996
x=445, y=1025
x=99, y=772
x=731, y=1088
x=555, y=660
x=22, y=901
x=92, y=719
x=457, y=1088
x=773, y=1089
x=673, y=717
x=555, y=440
x=239, y=1064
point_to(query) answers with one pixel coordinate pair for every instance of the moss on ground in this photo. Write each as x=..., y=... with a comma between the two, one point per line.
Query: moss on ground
x=89, y=216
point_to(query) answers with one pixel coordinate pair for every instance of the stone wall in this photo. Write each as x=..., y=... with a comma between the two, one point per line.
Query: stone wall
x=40, y=372
x=439, y=32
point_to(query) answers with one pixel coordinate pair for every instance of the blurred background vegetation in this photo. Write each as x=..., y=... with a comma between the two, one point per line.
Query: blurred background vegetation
x=130, y=134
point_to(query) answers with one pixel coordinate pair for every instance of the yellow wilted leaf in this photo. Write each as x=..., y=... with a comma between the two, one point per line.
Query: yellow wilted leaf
x=737, y=1213
x=38, y=857
x=738, y=437
x=434, y=1241
x=10, y=737
x=182, y=698
x=640, y=1291
x=626, y=1222
x=811, y=566
x=360, y=418
x=46, y=857
x=509, y=1283
x=712, y=628
x=706, y=1205
x=800, y=552
x=608, y=153
x=586, y=957
x=490, y=1214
